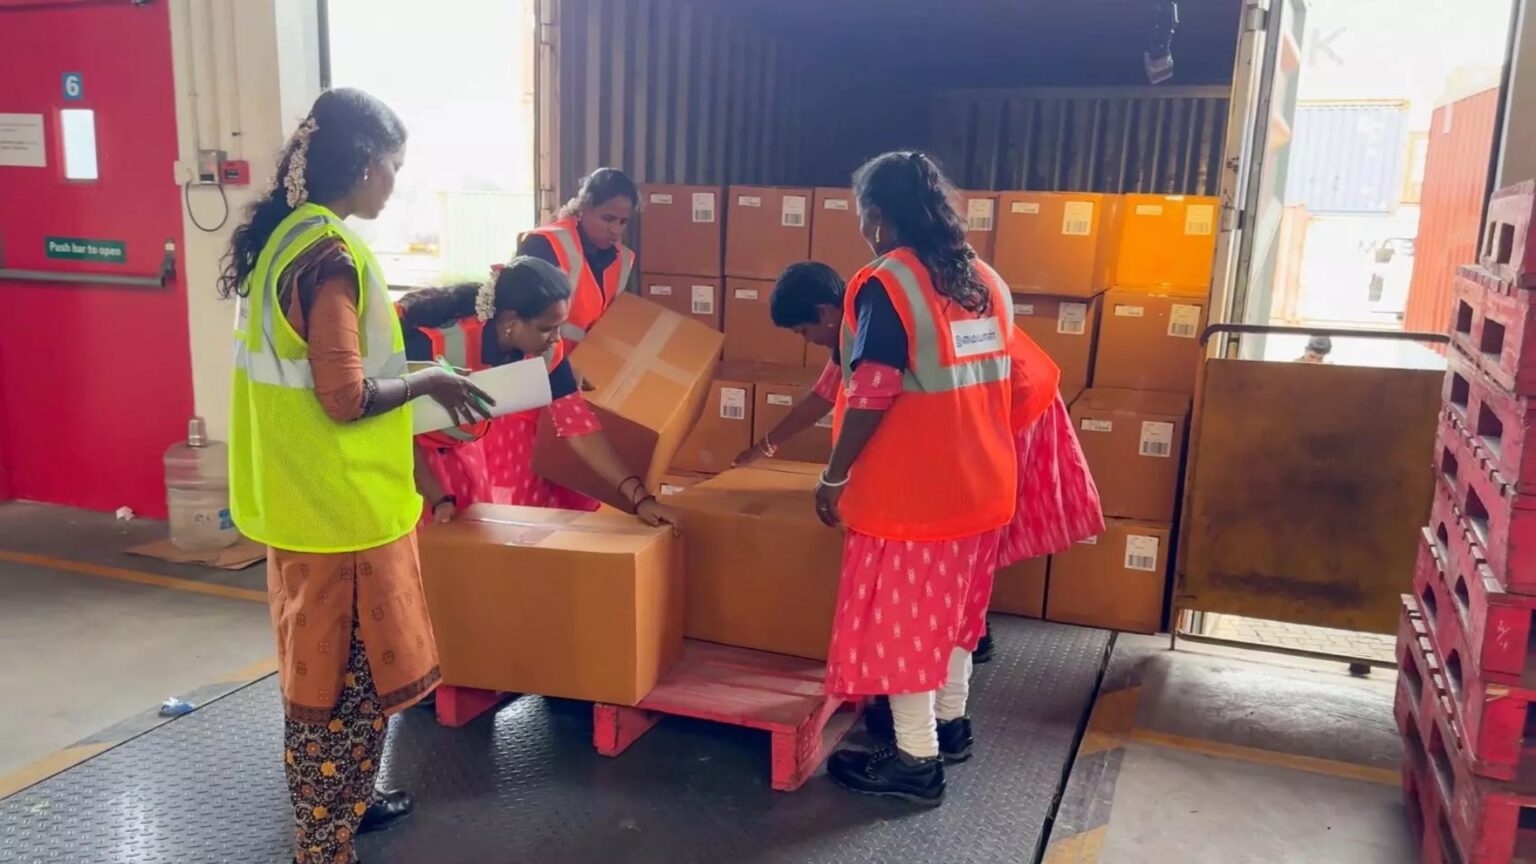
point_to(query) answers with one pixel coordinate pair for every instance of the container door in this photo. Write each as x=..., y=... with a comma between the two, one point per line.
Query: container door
x=546, y=107
x=1253, y=172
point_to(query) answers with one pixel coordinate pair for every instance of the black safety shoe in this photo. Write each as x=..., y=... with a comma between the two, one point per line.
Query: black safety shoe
x=889, y=773
x=983, y=651
x=387, y=809
x=955, y=740
x=878, y=720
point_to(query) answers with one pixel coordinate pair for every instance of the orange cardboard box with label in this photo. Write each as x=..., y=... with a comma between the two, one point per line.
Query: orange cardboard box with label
x=767, y=230
x=1117, y=581
x=698, y=297
x=1067, y=329
x=682, y=229
x=1149, y=342
x=1134, y=444
x=750, y=335
x=1167, y=244
x=724, y=429
x=1058, y=243
x=1019, y=589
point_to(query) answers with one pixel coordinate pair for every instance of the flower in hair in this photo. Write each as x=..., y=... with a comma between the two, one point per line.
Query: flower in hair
x=298, y=159
x=485, y=301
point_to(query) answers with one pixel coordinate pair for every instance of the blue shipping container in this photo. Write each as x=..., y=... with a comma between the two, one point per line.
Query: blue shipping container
x=1348, y=157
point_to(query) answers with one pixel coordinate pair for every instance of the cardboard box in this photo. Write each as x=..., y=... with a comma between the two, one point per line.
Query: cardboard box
x=676, y=481
x=698, y=297
x=555, y=602
x=682, y=229
x=1066, y=328
x=724, y=429
x=1019, y=589
x=750, y=335
x=1167, y=244
x=767, y=230
x=651, y=369
x=817, y=357
x=1149, y=342
x=1134, y=443
x=762, y=570
x=774, y=400
x=1056, y=243
x=979, y=210
x=1117, y=581
x=835, y=238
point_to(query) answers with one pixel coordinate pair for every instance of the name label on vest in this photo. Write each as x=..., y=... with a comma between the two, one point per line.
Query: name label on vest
x=981, y=336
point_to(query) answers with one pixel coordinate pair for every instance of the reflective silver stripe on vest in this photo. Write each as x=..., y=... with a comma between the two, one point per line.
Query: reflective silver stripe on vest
x=626, y=266
x=926, y=373
x=261, y=362
x=572, y=251
x=455, y=346
x=572, y=333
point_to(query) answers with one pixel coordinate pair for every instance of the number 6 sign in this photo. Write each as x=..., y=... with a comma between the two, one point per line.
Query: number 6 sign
x=74, y=87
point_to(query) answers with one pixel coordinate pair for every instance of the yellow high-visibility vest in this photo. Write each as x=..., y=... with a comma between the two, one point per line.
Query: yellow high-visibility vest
x=298, y=479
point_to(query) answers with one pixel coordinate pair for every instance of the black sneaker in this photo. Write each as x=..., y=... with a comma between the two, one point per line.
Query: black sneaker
x=386, y=809
x=878, y=721
x=955, y=740
x=983, y=651
x=889, y=773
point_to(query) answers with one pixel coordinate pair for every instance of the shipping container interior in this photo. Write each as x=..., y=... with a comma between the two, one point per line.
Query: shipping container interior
x=1031, y=95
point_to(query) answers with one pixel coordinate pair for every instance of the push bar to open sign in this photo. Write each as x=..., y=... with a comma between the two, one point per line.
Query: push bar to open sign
x=167, y=274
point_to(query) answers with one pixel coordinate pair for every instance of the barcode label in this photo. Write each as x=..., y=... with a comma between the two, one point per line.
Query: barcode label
x=703, y=299
x=1130, y=311
x=1077, y=219
x=793, y=215
x=835, y=204
x=1098, y=425
x=746, y=293
x=703, y=206
x=660, y=290
x=1025, y=208
x=825, y=422
x=1149, y=209
x=660, y=198
x=1157, y=439
x=1072, y=320
x=749, y=201
x=1141, y=553
x=1184, y=321
x=733, y=403
x=978, y=214
x=1023, y=309
x=1200, y=219
x=780, y=399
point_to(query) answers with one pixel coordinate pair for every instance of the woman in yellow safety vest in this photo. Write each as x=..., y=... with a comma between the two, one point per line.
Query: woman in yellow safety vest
x=321, y=465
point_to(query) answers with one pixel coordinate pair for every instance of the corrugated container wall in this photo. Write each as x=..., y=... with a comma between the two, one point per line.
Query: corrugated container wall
x=1451, y=210
x=1348, y=157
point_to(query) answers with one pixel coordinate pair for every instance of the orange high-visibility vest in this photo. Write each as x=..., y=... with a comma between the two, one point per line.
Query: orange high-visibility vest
x=589, y=297
x=941, y=466
x=461, y=345
x=1034, y=377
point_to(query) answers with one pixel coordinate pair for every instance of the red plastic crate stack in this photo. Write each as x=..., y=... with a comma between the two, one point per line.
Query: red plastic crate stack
x=1466, y=699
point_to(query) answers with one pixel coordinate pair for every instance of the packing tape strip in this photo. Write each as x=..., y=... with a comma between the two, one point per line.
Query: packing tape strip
x=643, y=357
x=532, y=533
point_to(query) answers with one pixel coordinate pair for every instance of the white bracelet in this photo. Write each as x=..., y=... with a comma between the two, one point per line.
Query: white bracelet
x=829, y=484
x=768, y=449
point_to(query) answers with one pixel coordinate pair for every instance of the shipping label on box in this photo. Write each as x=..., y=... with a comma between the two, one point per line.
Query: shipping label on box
x=1077, y=219
x=733, y=403
x=794, y=212
x=1141, y=553
x=1156, y=439
x=1184, y=321
x=703, y=206
x=1072, y=319
x=979, y=214
x=703, y=300
x=1200, y=219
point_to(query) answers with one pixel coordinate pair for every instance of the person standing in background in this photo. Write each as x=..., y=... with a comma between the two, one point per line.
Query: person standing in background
x=586, y=241
x=321, y=466
x=1318, y=349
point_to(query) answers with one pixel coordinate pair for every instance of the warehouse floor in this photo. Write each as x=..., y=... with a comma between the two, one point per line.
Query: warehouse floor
x=1199, y=755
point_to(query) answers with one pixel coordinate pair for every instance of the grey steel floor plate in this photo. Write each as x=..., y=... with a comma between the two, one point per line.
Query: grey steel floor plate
x=526, y=786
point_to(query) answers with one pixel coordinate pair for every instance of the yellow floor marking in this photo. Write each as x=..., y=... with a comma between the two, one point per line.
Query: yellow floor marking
x=136, y=576
x=47, y=766
x=1083, y=848
x=1113, y=717
x=1258, y=756
x=259, y=669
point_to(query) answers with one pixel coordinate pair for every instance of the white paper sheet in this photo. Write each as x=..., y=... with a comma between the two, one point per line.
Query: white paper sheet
x=516, y=387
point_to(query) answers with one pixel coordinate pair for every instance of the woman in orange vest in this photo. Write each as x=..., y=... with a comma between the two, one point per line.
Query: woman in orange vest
x=514, y=316
x=586, y=242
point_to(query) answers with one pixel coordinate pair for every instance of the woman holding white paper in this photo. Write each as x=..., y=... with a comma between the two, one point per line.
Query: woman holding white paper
x=516, y=315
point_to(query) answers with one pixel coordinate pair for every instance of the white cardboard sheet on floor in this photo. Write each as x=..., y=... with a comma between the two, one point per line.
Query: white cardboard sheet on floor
x=519, y=386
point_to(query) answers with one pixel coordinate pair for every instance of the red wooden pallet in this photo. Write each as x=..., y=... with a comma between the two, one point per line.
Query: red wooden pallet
x=778, y=694
x=1496, y=425
x=1498, y=629
x=456, y=706
x=1506, y=249
x=1472, y=494
x=1493, y=321
x=1470, y=819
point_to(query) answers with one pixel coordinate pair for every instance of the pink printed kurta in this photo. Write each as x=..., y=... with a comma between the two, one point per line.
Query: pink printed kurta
x=498, y=469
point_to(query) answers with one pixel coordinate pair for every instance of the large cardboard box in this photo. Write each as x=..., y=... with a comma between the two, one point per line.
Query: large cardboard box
x=699, y=297
x=1167, y=244
x=555, y=602
x=1149, y=342
x=1134, y=444
x=1117, y=581
x=682, y=229
x=724, y=429
x=1019, y=589
x=762, y=569
x=650, y=369
x=1066, y=328
x=750, y=335
x=1056, y=242
x=776, y=394
x=835, y=238
x=979, y=210
x=767, y=229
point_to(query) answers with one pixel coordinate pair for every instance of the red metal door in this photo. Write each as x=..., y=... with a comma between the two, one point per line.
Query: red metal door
x=95, y=375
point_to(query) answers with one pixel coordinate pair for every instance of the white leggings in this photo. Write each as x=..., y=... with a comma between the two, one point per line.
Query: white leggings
x=917, y=715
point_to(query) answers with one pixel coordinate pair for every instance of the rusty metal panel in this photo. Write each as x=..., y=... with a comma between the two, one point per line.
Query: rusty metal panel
x=1308, y=489
x=1456, y=179
x=1116, y=140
